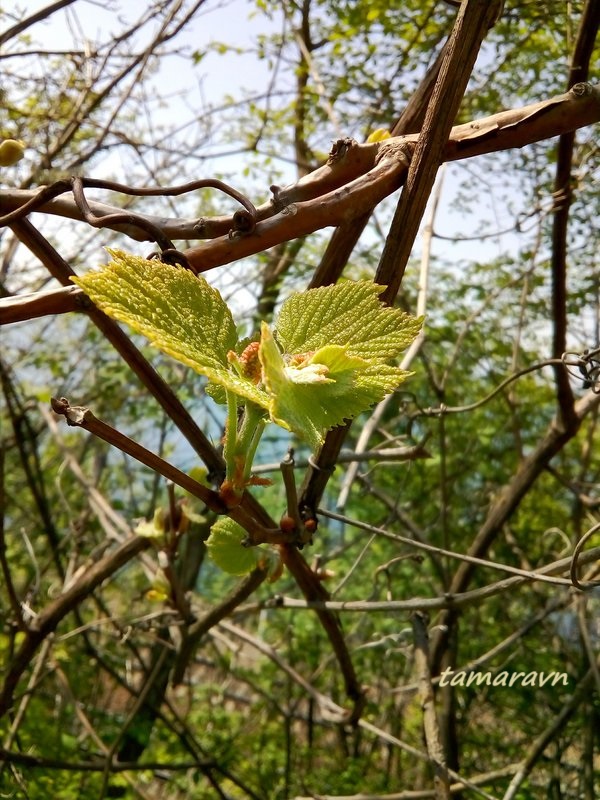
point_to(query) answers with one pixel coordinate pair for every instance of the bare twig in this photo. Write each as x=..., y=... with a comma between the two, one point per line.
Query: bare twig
x=508, y=501
x=440, y=551
x=332, y=710
x=383, y=455
x=48, y=619
x=577, y=557
x=32, y=19
x=314, y=591
x=472, y=23
x=13, y=597
x=366, y=172
x=430, y=723
x=39, y=304
x=82, y=417
x=242, y=221
x=584, y=630
x=371, y=424
x=40, y=664
x=289, y=481
x=563, y=196
x=452, y=602
x=542, y=741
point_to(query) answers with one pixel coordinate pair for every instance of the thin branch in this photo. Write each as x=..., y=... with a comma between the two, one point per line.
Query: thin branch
x=448, y=601
x=441, y=411
x=321, y=90
x=555, y=728
x=332, y=709
x=26, y=445
x=556, y=604
x=287, y=466
x=430, y=722
x=563, y=197
x=383, y=455
x=346, y=236
x=40, y=663
x=48, y=619
x=354, y=167
x=372, y=423
x=577, y=557
x=139, y=702
x=586, y=638
x=472, y=24
x=27, y=22
x=98, y=765
x=13, y=596
x=508, y=500
x=113, y=524
x=87, y=725
x=314, y=591
x=19, y=308
x=440, y=551
x=82, y=417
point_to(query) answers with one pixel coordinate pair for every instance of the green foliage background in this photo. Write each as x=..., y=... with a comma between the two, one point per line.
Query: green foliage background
x=240, y=726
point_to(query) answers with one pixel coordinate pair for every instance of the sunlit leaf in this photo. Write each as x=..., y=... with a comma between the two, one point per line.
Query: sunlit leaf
x=335, y=342
x=179, y=312
x=378, y=135
x=154, y=529
x=348, y=314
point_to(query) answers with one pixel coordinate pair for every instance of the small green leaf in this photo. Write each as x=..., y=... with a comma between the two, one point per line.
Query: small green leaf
x=227, y=551
x=154, y=529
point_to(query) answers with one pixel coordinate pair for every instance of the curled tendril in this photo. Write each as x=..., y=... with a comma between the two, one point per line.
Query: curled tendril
x=585, y=367
x=244, y=220
x=575, y=557
x=173, y=257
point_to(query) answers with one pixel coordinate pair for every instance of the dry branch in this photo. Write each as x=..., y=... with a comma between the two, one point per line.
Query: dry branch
x=47, y=621
x=563, y=196
x=508, y=501
x=82, y=417
x=449, y=602
x=39, y=304
x=358, y=169
x=472, y=24
x=430, y=722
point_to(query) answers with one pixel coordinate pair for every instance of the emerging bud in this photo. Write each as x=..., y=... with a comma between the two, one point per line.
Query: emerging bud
x=248, y=363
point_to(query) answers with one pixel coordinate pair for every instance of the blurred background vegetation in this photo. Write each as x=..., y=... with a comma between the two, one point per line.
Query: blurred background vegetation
x=164, y=92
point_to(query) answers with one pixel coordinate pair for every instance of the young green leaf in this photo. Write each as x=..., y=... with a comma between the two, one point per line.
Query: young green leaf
x=225, y=547
x=347, y=314
x=323, y=389
x=180, y=313
x=335, y=344
x=154, y=529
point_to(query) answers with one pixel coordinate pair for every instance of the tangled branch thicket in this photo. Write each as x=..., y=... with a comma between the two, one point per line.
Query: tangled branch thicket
x=461, y=536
